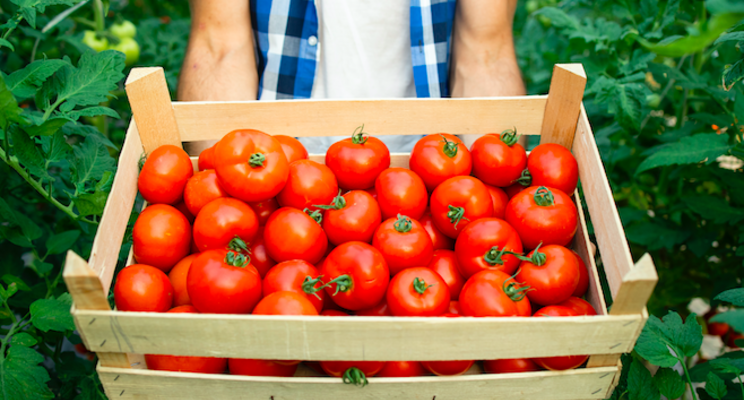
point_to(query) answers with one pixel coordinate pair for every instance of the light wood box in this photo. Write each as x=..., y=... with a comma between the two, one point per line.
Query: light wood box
x=120, y=338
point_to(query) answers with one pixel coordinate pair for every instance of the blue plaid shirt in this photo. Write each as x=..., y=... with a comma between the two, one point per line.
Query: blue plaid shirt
x=287, y=58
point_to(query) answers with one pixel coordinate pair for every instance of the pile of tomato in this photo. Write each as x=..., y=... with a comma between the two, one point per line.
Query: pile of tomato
x=262, y=229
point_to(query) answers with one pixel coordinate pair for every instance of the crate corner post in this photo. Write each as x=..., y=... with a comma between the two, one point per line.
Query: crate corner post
x=151, y=104
x=564, y=104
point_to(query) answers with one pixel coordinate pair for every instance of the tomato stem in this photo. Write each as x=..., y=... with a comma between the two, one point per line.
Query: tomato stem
x=419, y=285
x=237, y=260
x=238, y=245
x=338, y=203
x=403, y=224
x=314, y=214
x=455, y=214
x=544, y=197
x=509, y=136
x=343, y=283
x=358, y=137
x=493, y=256
x=525, y=179
x=354, y=376
x=450, y=147
x=513, y=289
x=537, y=258
x=256, y=160
x=308, y=285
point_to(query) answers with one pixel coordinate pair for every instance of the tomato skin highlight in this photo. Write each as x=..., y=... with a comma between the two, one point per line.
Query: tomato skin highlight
x=221, y=220
x=438, y=157
x=367, y=269
x=201, y=189
x=552, y=224
x=438, y=239
x=401, y=369
x=555, y=280
x=454, y=308
x=483, y=296
x=404, y=300
x=255, y=367
x=177, y=277
x=309, y=184
x=357, y=165
x=206, y=159
x=292, y=148
x=264, y=209
x=479, y=238
x=161, y=237
x=496, y=163
x=554, y=166
x=499, y=200
x=289, y=276
x=401, y=191
x=403, y=249
x=164, y=175
x=219, y=288
x=444, y=263
x=291, y=234
x=509, y=365
x=581, y=306
x=356, y=221
x=583, y=285
x=564, y=362
x=465, y=193
x=141, y=287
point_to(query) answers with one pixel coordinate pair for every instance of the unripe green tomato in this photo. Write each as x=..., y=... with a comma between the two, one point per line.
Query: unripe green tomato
x=130, y=48
x=653, y=100
x=126, y=29
x=545, y=21
x=531, y=6
x=95, y=43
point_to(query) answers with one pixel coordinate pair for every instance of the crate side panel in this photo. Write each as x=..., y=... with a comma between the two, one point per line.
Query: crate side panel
x=582, y=244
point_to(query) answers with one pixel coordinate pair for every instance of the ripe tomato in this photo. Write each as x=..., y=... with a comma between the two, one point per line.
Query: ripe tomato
x=583, y=285
x=732, y=338
x=372, y=191
x=401, y=369
x=498, y=160
x=552, y=273
x=356, y=274
x=285, y=303
x=454, y=308
x=206, y=159
x=264, y=209
x=251, y=165
x=259, y=258
x=292, y=148
x=164, y=175
x=181, y=206
x=223, y=282
x=352, y=217
x=177, y=277
x=161, y=237
x=221, y=221
x=404, y=243
x=201, y=189
x=483, y=244
x=380, y=310
x=341, y=369
x=436, y=158
x=143, y=288
x=448, y=368
x=509, y=365
x=444, y=263
x=333, y=313
x=564, y=362
x=540, y=214
x=581, y=306
x=554, y=166
x=295, y=276
x=457, y=202
x=309, y=183
x=357, y=161
x=513, y=189
x=494, y=294
x=254, y=367
x=401, y=191
x=291, y=234
x=499, y=199
x=438, y=239
x=418, y=292
x=716, y=328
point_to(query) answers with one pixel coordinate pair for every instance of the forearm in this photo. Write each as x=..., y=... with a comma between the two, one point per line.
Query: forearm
x=482, y=72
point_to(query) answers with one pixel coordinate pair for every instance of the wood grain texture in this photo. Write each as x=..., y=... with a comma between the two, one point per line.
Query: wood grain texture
x=563, y=105
x=636, y=288
x=150, y=99
x=583, y=246
x=83, y=283
x=549, y=385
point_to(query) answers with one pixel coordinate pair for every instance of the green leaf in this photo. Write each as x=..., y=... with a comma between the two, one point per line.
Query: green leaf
x=28, y=154
x=47, y=128
x=53, y=314
x=5, y=43
x=670, y=383
x=92, y=112
x=9, y=110
x=41, y=268
x=61, y=242
x=90, y=83
x=559, y=18
x=20, y=284
x=641, y=385
x=733, y=296
x=5, y=294
x=656, y=236
x=703, y=37
x=728, y=365
x=735, y=318
x=659, y=335
x=29, y=230
x=91, y=160
x=30, y=7
x=715, y=386
x=689, y=150
x=714, y=209
x=25, y=82
x=78, y=129
x=730, y=36
x=733, y=74
x=93, y=203
x=21, y=376
x=58, y=148
x=724, y=6
x=23, y=339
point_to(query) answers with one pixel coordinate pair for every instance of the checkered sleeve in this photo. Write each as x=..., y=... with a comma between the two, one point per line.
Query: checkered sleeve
x=431, y=31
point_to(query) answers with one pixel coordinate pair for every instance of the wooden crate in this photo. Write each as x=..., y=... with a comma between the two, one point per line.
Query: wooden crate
x=120, y=338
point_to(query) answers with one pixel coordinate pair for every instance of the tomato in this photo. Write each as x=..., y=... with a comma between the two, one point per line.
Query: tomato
x=177, y=277
x=454, y=308
x=223, y=282
x=483, y=244
x=563, y=362
x=251, y=165
x=438, y=239
x=92, y=40
x=259, y=258
x=513, y=189
x=436, y=158
x=201, y=189
x=583, y=285
x=417, y=292
x=404, y=243
x=716, y=328
x=291, y=234
x=457, y=202
x=223, y=219
x=352, y=217
x=356, y=274
x=380, y=310
x=124, y=29
x=254, y=367
x=292, y=148
x=401, y=369
x=333, y=313
x=206, y=159
x=499, y=200
x=204, y=365
x=295, y=276
x=448, y=368
x=164, y=175
x=372, y=191
x=357, y=161
x=581, y=306
x=161, y=237
x=498, y=160
x=554, y=166
x=141, y=287
x=540, y=214
x=551, y=272
x=734, y=337
x=509, y=365
x=353, y=372
x=444, y=263
x=309, y=183
x=494, y=294
x=181, y=206
x=130, y=48
x=264, y=209
x=401, y=191
x=285, y=303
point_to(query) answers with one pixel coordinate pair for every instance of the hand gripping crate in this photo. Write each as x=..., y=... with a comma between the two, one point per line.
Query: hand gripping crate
x=121, y=338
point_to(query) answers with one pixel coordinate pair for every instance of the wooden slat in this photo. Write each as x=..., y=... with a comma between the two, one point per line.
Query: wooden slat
x=583, y=246
x=563, y=105
x=608, y=360
x=549, y=385
x=636, y=288
x=211, y=121
x=150, y=99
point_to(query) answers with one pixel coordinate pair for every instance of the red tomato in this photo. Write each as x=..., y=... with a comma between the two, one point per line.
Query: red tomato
x=295, y=276
x=380, y=310
x=498, y=160
x=254, y=367
x=201, y=189
x=716, y=328
x=542, y=215
x=563, y=362
x=333, y=313
x=206, y=159
x=292, y=148
x=401, y=191
x=554, y=166
x=309, y=184
x=404, y=243
x=438, y=239
x=732, y=338
x=418, y=292
x=444, y=263
x=164, y=175
x=251, y=165
x=513, y=189
x=223, y=282
x=341, y=368
x=494, y=294
x=161, y=237
x=454, y=308
x=291, y=234
x=581, y=306
x=401, y=369
x=351, y=217
x=181, y=206
x=357, y=274
x=448, y=368
x=358, y=160
x=177, y=278
x=264, y=209
x=509, y=365
x=143, y=288
x=552, y=274
x=372, y=191
x=285, y=303
x=583, y=285
x=480, y=246
x=221, y=221
x=436, y=158
x=457, y=202
x=259, y=258
x=499, y=199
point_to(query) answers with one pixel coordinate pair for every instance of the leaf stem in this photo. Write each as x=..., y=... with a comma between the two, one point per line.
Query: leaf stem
x=7, y=33
x=689, y=380
x=98, y=15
